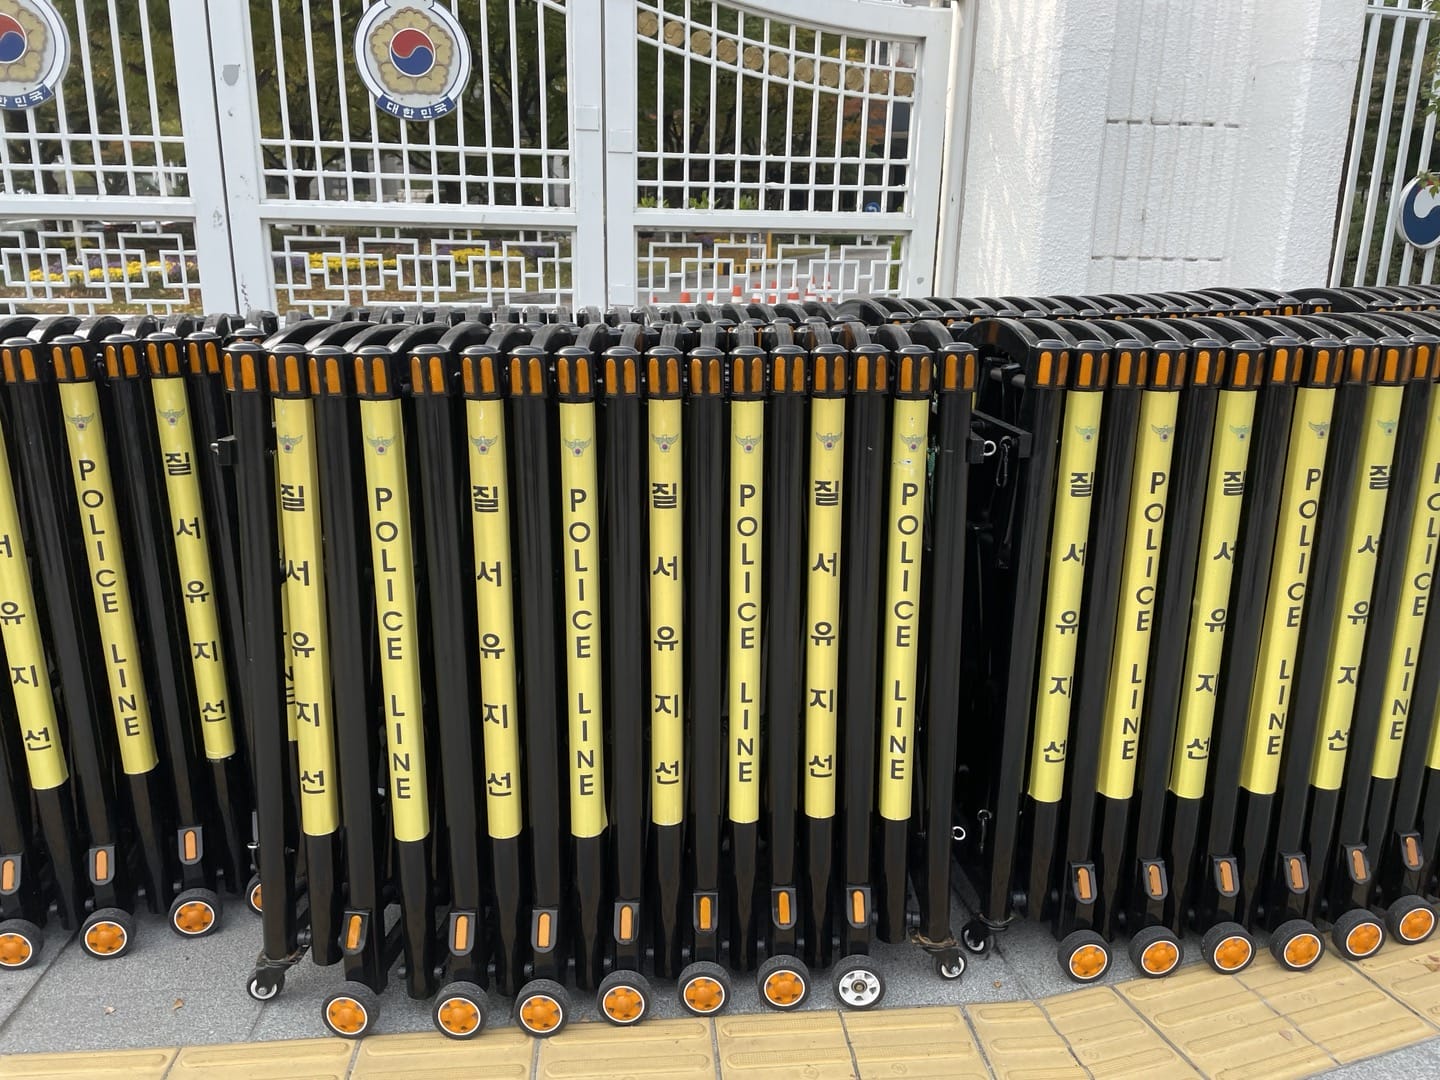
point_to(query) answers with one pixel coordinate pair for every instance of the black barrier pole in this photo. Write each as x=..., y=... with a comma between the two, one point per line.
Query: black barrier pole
x=297, y=478
x=195, y=909
x=366, y=947
x=703, y=984
x=251, y=452
x=749, y=379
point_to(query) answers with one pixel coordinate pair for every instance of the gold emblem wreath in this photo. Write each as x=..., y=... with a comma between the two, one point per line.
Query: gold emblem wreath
x=434, y=80
x=28, y=68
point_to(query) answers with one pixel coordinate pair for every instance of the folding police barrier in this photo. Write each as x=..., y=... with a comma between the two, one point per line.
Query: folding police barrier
x=749, y=585
x=367, y=946
x=541, y=1004
x=209, y=421
x=1377, y=733
x=702, y=984
x=1401, y=878
x=829, y=378
x=31, y=725
x=665, y=499
x=626, y=634
x=459, y=1009
x=1275, y=554
x=73, y=365
x=1338, y=604
x=155, y=515
x=68, y=616
x=1131, y=491
x=1019, y=407
x=1206, y=490
x=297, y=478
x=249, y=451
x=350, y=1011
x=858, y=980
x=783, y=979
x=1071, y=598
x=576, y=386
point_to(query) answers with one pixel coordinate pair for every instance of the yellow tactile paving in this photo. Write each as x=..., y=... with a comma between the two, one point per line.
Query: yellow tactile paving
x=129, y=1064
x=1019, y=1042
x=495, y=1055
x=1224, y=1027
x=917, y=1044
x=1410, y=973
x=682, y=1049
x=1338, y=1008
x=784, y=1044
x=300, y=1059
x=1110, y=1038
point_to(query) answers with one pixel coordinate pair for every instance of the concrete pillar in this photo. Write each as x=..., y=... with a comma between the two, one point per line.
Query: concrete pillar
x=1127, y=145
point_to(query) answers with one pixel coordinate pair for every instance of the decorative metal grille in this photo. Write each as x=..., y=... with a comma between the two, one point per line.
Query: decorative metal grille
x=1392, y=140
x=321, y=268
x=89, y=266
x=703, y=267
x=113, y=127
x=322, y=137
x=744, y=111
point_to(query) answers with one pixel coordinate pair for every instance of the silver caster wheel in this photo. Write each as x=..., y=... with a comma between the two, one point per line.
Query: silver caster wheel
x=858, y=982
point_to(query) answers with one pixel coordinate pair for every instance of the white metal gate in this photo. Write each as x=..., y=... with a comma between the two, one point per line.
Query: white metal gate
x=226, y=154
x=1391, y=142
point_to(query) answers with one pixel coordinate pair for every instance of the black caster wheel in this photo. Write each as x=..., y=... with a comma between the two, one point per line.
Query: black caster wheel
x=704, y=988
x=108, y=933
x=1357, y=934
x=459, y=1011
x=949, y=964
x=977, y=937
x=266, y=984
x=1411, y=920
x=1228, y=948
x=252, y=894
x=1297, y=945
x=858, y=982
x=20, y=942
x=623, y=998
x=542, y=1008
x=1084, y=955
x=783, y=982
x=351, y=1011
x=195, y=913
x=1156, y=952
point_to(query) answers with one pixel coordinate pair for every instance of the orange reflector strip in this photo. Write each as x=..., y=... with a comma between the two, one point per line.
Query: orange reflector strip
x=542, y=931
x=782, y=908
x=857, y=907
x=627, y=923
x=1357, y=864
x=462, y=932
x=1153, y=874
x=7, y=875
x=102, y=866
x=1227, y=877
x=352, y=933
x=189, y=844
x=1082, y=884
x=1412, y=851
x=1297, y=875
x=704, y=913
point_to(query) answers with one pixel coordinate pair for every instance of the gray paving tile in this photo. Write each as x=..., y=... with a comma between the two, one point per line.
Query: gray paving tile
x=59, y=1015
x=16, y=985
x=1421, y=1060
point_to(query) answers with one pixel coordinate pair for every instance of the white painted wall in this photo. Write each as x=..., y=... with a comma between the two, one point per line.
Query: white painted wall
x=1123, y=145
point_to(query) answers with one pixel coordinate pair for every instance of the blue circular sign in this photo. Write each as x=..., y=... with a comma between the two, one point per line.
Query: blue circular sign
x=34, y=53
x=1417, y=217
x=413, y=57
